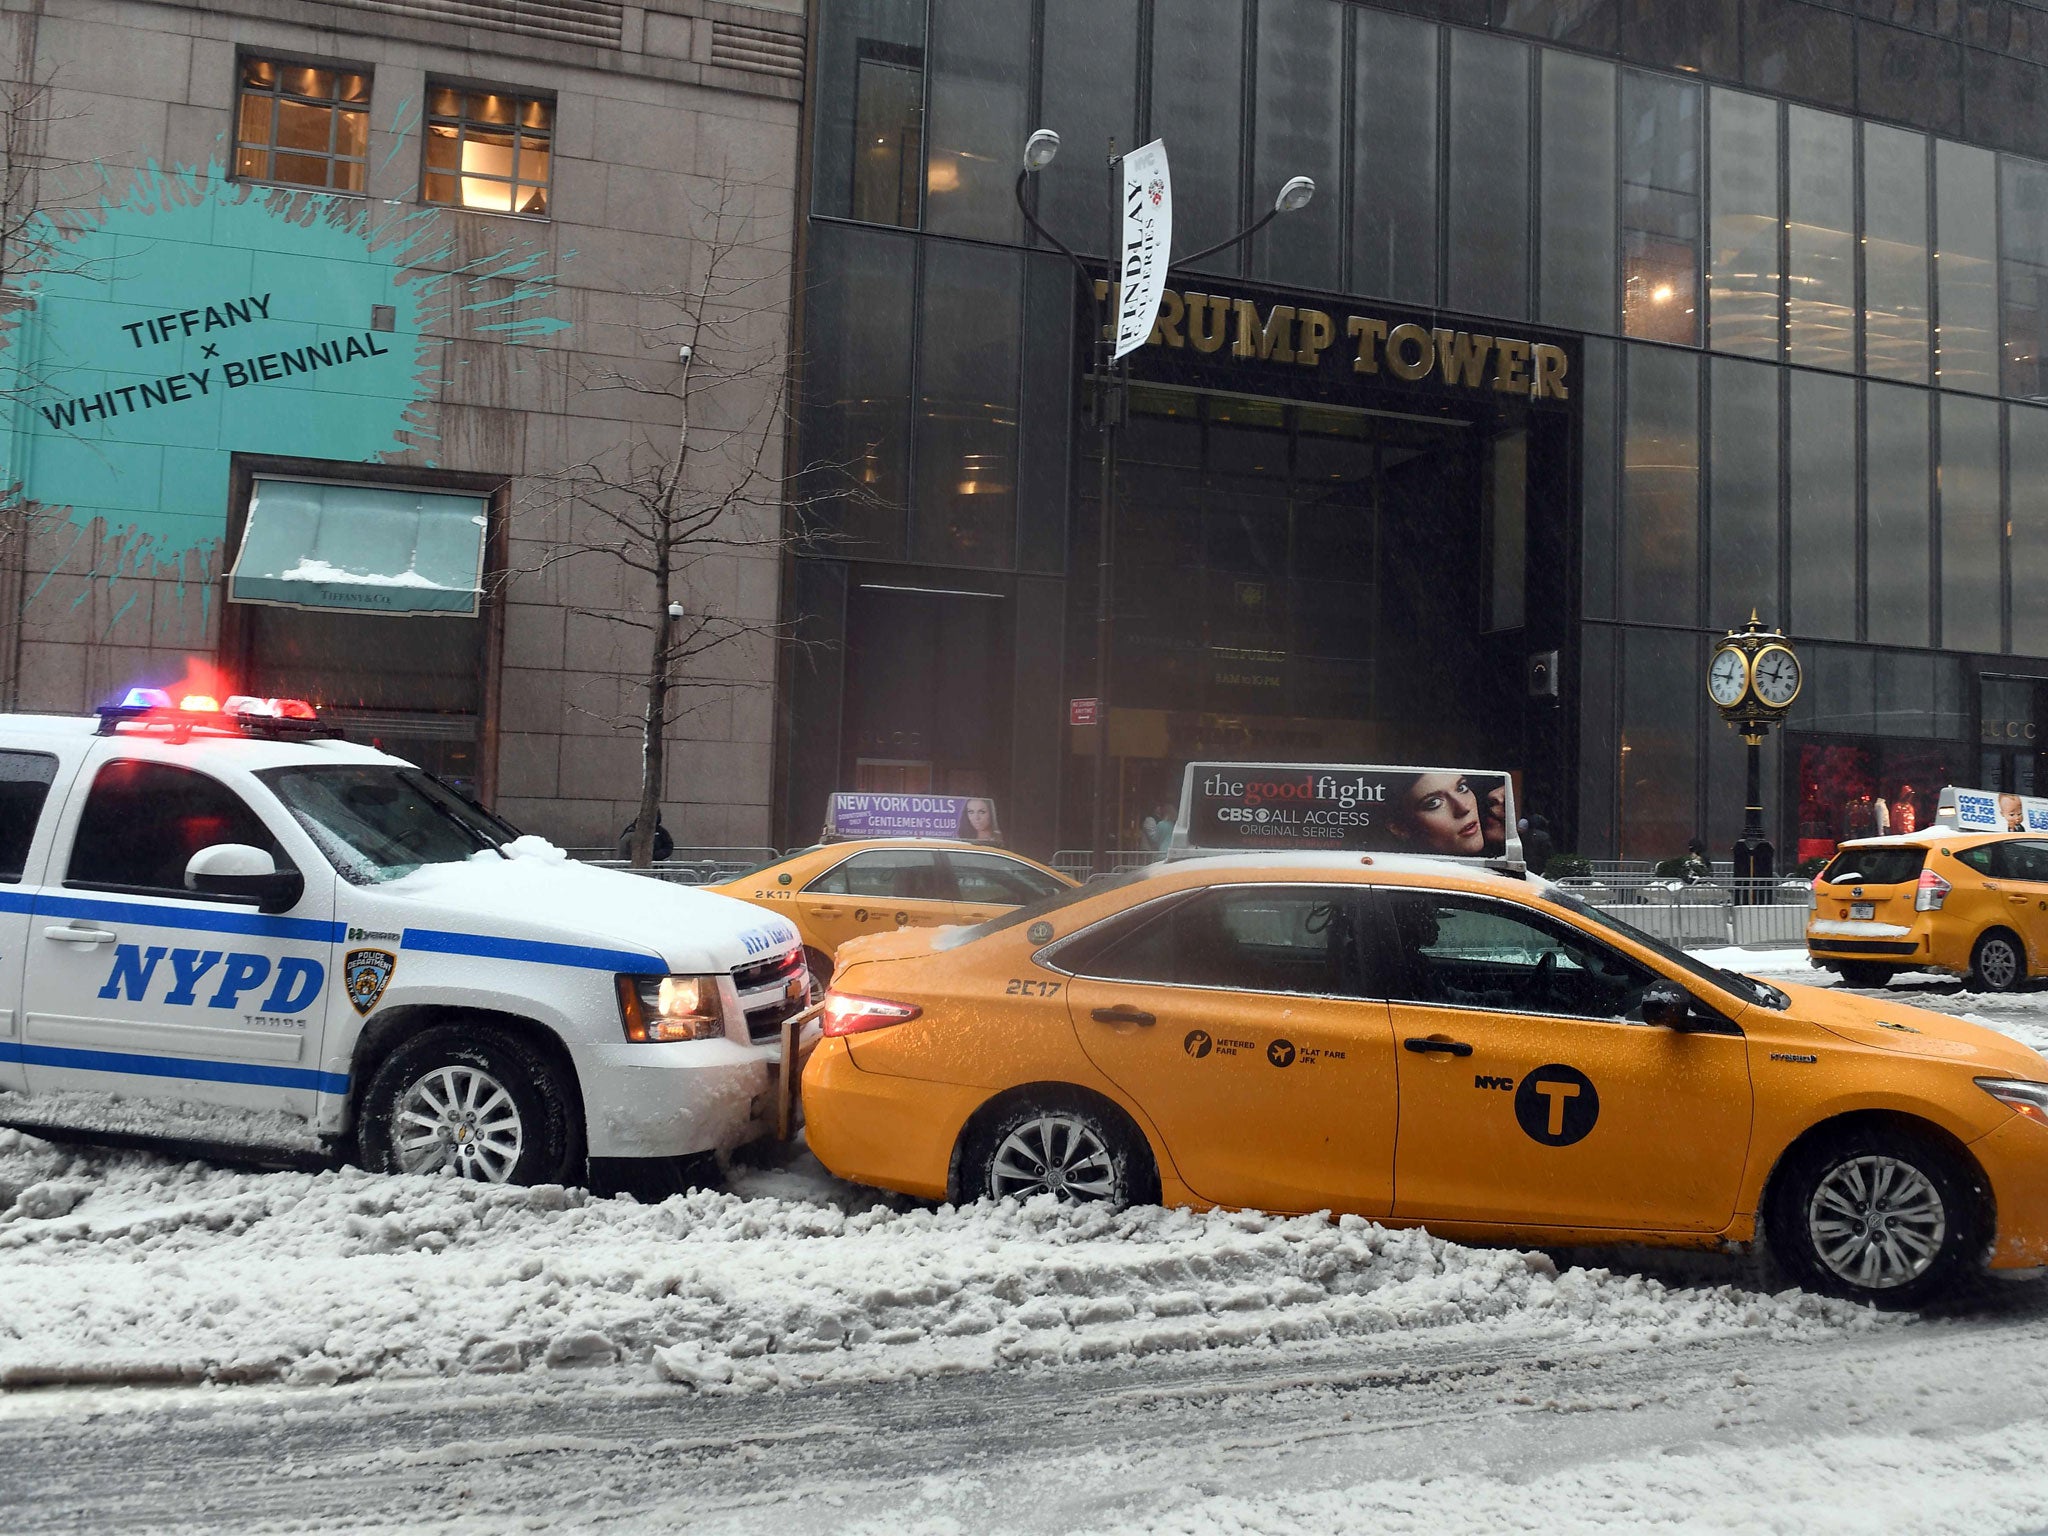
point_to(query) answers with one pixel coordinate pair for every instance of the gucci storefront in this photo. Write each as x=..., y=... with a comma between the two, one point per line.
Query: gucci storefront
x=1607, y=325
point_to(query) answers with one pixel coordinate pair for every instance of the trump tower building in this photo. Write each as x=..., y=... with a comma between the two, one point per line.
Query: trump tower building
x=1609, y=322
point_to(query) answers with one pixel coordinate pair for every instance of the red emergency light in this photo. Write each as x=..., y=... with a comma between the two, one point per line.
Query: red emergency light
x=152, y=707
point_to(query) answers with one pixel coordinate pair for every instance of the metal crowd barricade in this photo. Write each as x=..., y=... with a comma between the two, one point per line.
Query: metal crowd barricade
x=1079, y=863
x=686, y=866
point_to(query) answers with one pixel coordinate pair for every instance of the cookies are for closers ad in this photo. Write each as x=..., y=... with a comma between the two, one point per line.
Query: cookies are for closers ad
x=1456, y=812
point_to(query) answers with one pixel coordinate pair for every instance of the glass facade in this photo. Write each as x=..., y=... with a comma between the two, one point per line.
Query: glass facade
x=1794, y=257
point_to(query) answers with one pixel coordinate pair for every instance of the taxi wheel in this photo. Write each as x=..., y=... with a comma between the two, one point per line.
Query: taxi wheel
x=476, y=1102
x=1067, y=1145
x=1998, y=963
x=1876, y=1216
x=1866, y=974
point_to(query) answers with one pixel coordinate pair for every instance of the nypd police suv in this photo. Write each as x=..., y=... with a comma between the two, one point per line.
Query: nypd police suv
x=221, y=923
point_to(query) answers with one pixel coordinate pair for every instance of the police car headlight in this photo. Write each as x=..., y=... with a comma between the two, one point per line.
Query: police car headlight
x=656, y=1008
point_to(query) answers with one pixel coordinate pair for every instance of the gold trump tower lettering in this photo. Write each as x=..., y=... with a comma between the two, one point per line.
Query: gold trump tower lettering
x=1288, y=333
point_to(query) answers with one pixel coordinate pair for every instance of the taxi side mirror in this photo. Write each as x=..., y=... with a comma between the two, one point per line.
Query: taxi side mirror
x=244, y=873
x=1667, y=1005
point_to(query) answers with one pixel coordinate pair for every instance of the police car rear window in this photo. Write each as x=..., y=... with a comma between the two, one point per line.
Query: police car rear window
x=24, y=786
x=143, y=822
x=1876, y=866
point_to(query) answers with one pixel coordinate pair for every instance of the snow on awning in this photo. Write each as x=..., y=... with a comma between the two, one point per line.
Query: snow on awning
x=371, y=549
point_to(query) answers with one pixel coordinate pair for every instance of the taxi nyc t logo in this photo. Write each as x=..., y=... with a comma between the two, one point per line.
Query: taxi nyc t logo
x=296, y=983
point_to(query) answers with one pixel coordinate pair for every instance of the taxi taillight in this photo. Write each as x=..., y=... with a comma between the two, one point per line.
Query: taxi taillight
x=1931, y=892
x=846, y=1014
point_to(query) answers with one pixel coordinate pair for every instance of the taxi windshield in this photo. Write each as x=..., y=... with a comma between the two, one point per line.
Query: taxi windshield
x=376, y=822
x=1748, y=988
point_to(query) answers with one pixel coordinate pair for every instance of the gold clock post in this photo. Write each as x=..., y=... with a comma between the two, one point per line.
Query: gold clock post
x=1752, y=679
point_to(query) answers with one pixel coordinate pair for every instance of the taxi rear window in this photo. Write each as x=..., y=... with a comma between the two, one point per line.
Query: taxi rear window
x=1875, y=866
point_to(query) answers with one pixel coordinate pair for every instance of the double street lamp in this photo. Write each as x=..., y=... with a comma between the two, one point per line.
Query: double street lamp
x=1112, y=378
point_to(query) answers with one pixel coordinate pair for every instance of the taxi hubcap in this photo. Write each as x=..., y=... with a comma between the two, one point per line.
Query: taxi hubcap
x=1051, y=1154
x=1998, y=963
x=460, y=1119
x=1877, y=1222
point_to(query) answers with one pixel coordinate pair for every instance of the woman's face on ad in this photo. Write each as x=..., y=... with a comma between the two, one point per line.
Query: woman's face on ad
x=1445, y=814
x=981, y=818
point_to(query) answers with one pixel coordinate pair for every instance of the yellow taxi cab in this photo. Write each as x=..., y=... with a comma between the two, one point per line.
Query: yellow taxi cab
x=1972, y=904
x=838, y=891
x=1425, y=1044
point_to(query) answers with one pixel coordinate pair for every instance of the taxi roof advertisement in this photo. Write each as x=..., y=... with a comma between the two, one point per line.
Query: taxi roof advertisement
x=1989, y=810
x=857, y=814
x=1369, y=808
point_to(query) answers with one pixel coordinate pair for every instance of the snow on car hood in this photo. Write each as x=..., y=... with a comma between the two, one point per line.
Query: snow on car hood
x=559, y=901
x=1914, y=1031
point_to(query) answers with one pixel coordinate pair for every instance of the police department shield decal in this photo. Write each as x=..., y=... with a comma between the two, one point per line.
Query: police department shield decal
x=367, y=972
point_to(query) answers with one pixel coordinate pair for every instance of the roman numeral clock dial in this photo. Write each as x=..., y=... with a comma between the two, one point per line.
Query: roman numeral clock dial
x=1728, y=677
x=1777, y=676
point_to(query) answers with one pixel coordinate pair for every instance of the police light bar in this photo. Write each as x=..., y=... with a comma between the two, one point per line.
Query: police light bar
x=196, y=711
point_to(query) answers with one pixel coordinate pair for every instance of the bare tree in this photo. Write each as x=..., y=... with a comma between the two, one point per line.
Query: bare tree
x=697, y=476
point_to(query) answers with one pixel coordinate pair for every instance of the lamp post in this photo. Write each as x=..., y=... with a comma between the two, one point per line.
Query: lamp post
x=1112, y=379
x=1753, y=678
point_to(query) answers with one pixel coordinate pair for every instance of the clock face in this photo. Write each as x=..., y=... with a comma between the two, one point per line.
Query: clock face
x=1728, y=677
x=1777, y=676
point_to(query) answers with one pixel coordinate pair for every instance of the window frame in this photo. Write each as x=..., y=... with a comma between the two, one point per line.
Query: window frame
x=945, y=874
x=280, y=855
x=947, y=856
x=42, y=808
x=288, y=60
x=463, y=123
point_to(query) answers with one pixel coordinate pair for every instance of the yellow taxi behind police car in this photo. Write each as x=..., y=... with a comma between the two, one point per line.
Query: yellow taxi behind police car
x=1422, y=1043
x=838, y=891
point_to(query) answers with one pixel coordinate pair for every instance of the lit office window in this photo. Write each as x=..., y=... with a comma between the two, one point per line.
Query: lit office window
x=302, y=124
x=489, y=150
x=1660, y=208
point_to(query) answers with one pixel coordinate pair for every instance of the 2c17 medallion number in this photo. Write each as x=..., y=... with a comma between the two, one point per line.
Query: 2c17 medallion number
x=1025, y=987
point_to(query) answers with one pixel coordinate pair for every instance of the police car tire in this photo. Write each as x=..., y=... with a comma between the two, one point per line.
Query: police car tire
x=1963, y=1198
x=1133, y=1180
x=549, y=1119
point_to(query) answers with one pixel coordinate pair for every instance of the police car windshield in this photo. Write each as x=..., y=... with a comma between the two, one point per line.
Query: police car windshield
x=377, y=823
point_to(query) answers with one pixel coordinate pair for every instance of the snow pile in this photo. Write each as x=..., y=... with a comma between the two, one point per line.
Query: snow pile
x=124, y=1266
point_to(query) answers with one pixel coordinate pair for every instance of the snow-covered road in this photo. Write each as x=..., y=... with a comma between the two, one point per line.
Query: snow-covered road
x=219, y=1349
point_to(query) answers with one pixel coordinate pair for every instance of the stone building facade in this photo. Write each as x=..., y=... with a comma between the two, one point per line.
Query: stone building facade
x=324, y=306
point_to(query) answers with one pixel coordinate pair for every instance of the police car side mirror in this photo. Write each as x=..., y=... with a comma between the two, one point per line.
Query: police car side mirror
x=1667, y=1005
x=244, y=873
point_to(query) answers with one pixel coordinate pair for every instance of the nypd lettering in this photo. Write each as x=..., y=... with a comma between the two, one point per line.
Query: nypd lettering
x=224, y=977
x=367, y=972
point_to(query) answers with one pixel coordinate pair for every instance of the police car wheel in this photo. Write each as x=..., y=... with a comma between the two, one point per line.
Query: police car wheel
x=1876, y=1216
x=477, y=1103
x=1058, y=1144
x=1998, y=963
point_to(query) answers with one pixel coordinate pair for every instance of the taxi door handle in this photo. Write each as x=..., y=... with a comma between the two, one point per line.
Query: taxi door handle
x=2017, y=900
x=1122, y=1013
x=80, y=935
x=1422, y=1044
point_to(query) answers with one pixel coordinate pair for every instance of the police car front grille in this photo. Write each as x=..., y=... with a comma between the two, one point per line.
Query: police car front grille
x=766, y=1023
x=765, y=973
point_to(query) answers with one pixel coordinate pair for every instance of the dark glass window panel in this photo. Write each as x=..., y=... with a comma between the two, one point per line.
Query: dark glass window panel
x=991, y=878
x=1916, y=79
x=1298, y=124
x=1257, y=940
x=1198, y=57
x=1895, y=326
x=1966, y=267
x=1089, y=97
x=1488, y=266
x=1820, y=308
x=143, y=822
x=1902, y=694
x=1469, y=953
x=1588, y=24
x=1046, y=415
x=1600, y=756
x=1823, y=506
x=1660, y=487
x=967, y=408
x=1660, y=207
x=1794, y=49
x=1575, y=260
x=2023, y=238
x=2027, y=443
x=25, y=779
x=895, y=874
x=1394, y=155
x=1742, y=492
x=1659, y=754
x=868, y=156
x=855, y=440
x=1895, y=449
x=976, y=130
x=1744, y=221
x=2005, y=102
x=1597, y=400
x=1970, y=524
x=1698, y=36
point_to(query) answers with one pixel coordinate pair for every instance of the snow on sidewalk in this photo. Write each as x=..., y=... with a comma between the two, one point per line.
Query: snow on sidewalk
x=124, y=1266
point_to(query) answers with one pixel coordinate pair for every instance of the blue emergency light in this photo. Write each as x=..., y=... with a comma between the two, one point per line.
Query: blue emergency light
x=243, y=712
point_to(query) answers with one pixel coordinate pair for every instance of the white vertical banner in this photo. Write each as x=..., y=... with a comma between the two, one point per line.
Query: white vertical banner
x=1148, y=237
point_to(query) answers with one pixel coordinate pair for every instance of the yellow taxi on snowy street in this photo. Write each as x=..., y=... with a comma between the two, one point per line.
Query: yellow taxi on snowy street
x=1424, y=1043
x=838, y=891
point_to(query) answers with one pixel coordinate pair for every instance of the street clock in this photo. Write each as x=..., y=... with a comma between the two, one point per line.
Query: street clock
x=1753, y=677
